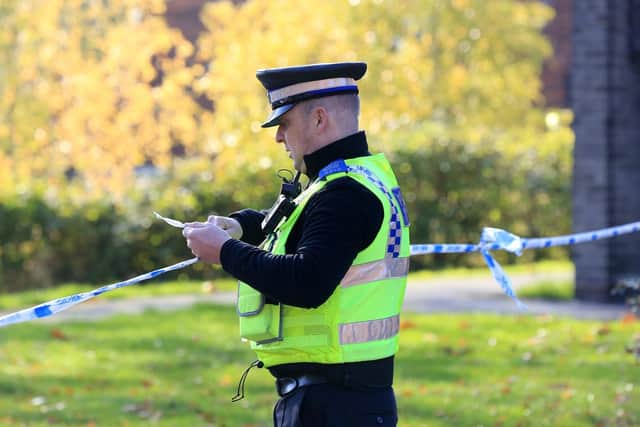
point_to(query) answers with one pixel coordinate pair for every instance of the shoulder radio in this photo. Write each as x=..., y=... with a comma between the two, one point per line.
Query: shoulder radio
x=284, y=205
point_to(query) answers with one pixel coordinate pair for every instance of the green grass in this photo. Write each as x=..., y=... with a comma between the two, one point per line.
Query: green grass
x=181, y=369
x=548, y=290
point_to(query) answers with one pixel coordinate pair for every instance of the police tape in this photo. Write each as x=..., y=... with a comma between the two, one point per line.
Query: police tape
x=497, y=239
x=536, y=243
x=55, y=306
x=491, y=239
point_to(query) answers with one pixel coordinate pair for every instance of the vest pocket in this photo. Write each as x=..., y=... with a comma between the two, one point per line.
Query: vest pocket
x=259, y=322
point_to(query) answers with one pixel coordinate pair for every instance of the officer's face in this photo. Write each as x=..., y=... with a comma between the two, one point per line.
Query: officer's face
x=294, y=133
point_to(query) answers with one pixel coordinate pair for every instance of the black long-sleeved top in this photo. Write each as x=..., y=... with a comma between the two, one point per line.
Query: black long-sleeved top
x=340, y=220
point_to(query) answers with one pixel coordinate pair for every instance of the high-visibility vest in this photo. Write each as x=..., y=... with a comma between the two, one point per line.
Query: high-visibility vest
x=361, y=319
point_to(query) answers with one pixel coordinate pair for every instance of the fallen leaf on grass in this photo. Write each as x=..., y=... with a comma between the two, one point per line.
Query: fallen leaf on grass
x=545, y=318
x=459, y=351
x=588, y=339
x=143, y=409
x=208, y=287
x=634, y=347
x=465, y=324
x=225, y=380
x=206, y=416
x=406, y=324
x=567, y=394
x=58, y=334
x=621, y=398
x=628, y=319
x=129, y=407
x=430, y=337
x=407, y=392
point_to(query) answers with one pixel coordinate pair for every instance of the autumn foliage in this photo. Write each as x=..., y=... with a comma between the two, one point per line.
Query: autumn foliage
x=107, y=112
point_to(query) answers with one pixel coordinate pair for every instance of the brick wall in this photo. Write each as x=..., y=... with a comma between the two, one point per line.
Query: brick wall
x=604, y=94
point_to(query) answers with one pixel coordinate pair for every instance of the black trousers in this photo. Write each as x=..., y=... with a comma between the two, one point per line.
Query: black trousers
x=328, y=405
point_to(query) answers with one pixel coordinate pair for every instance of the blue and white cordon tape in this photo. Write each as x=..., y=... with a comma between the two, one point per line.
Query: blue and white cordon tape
x=495, y=238
x=60, y=304
x=491, y=239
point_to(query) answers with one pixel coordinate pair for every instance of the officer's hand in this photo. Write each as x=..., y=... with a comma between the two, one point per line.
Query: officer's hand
x=229, y=225
x=205, y=240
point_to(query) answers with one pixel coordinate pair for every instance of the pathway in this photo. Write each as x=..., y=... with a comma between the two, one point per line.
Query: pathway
x=445, y=294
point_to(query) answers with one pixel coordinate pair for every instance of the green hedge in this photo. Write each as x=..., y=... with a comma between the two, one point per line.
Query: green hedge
x=44, y=245
x=452, y=191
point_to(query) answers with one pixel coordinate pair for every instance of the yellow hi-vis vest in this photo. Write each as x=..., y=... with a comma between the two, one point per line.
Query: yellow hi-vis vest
x=360, y=320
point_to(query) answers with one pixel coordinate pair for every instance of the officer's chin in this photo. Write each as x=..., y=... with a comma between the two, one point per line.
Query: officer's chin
x=300, y=167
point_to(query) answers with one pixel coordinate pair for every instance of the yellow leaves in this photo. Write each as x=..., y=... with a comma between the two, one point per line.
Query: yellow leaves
x=84, y=73
x=218, y=15
x=155, y=7
x=184, y=49
x=100, y=111
x=457, y=80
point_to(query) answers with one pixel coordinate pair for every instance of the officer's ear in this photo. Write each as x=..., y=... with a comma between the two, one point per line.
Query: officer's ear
x=320, y=118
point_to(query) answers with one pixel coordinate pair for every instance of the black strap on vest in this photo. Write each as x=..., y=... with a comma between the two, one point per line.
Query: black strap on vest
x=240, y=391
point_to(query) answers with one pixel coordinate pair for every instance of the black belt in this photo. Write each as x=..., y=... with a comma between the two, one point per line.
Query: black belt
x=358, y=375
x=286, y=385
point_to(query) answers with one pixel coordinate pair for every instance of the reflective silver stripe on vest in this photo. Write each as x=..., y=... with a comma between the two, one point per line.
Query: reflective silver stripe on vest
x=386, y=268
x=371, y=330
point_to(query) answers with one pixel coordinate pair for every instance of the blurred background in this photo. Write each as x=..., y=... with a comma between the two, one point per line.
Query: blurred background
x=504, y=113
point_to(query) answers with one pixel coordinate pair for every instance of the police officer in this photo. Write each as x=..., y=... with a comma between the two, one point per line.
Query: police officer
x=322, y=273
